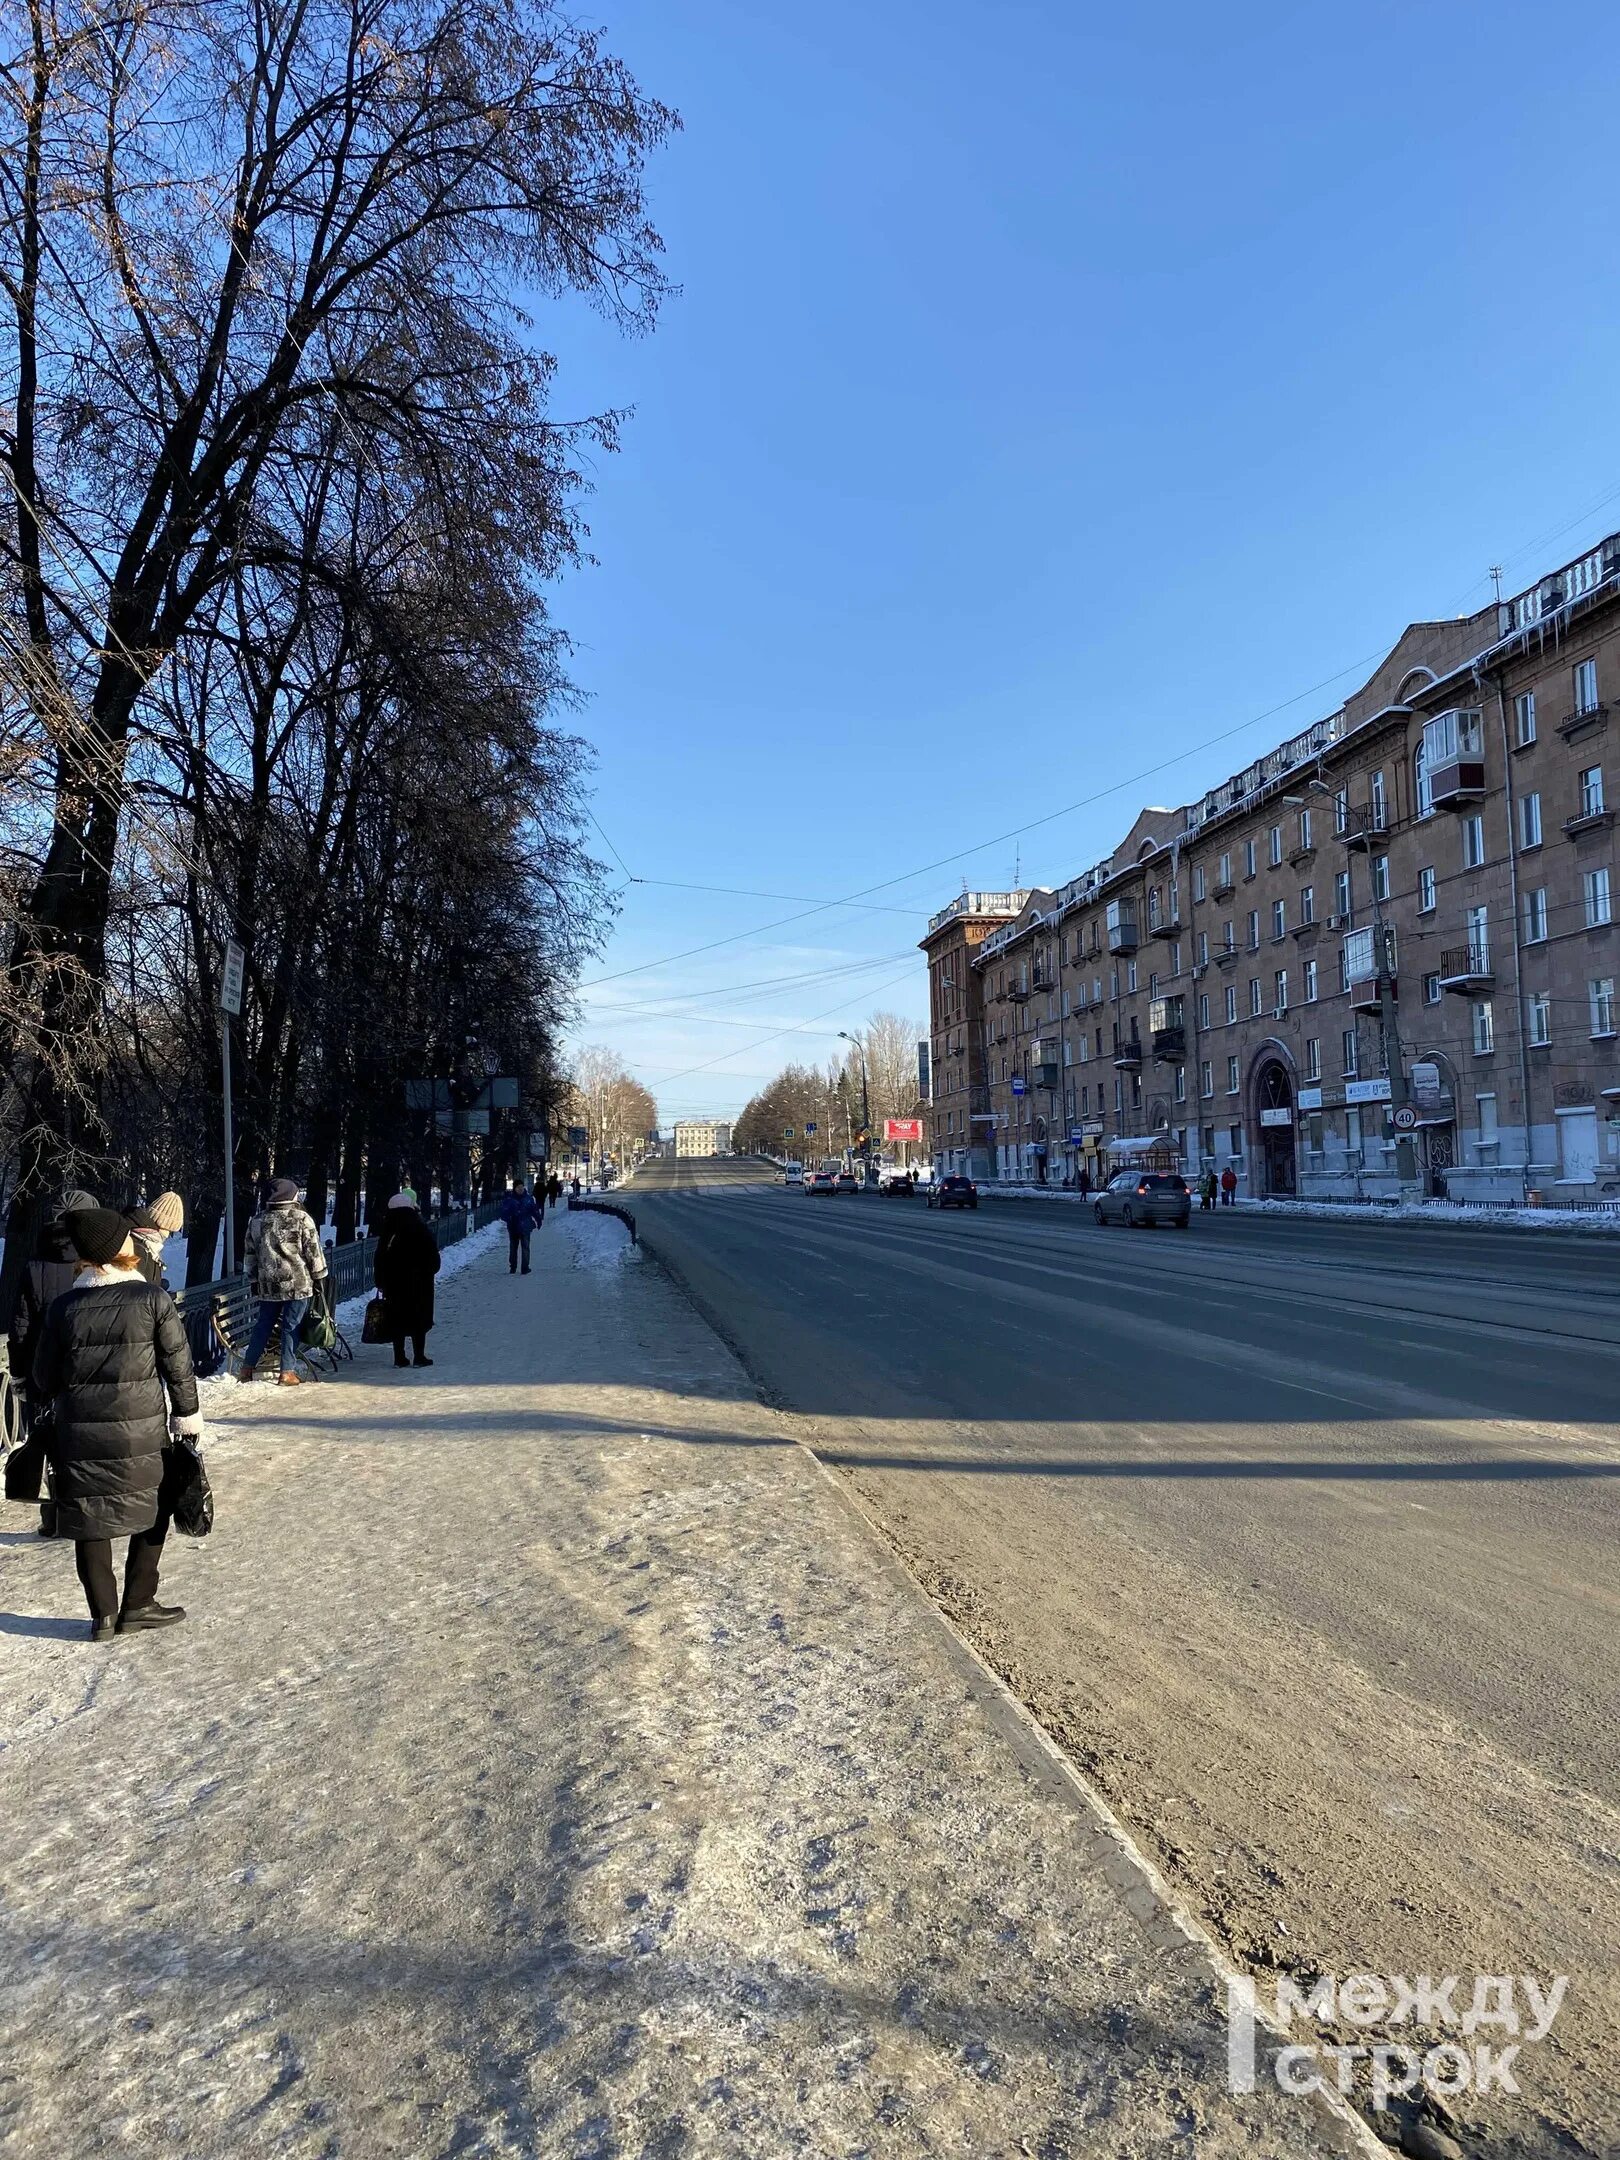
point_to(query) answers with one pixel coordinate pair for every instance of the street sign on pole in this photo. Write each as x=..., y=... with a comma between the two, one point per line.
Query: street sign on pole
x=1018, y=1086
x=809, y=1125
x=230, y=977
x=230, y=1001
x=578, y=1136
x=1405, y=1118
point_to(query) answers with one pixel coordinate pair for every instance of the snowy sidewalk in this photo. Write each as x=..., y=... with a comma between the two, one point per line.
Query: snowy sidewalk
x=553, y=1764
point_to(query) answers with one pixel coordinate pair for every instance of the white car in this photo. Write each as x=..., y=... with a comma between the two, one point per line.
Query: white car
x=793, y=1174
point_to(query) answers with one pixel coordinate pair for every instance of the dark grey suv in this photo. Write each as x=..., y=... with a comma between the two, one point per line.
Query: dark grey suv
x=1141, y=1198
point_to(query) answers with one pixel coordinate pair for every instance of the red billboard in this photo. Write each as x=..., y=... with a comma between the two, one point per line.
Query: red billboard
x=902, y=1128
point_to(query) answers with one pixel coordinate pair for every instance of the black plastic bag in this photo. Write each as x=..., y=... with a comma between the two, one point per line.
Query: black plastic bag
x=190, y=1496
x=25, y=1470
x=376, y=1327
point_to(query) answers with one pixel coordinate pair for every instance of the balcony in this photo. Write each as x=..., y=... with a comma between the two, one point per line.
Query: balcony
x=1454, y=759
x=1360, y=966
x=1221, y=888
x=1228, y=955
x=1587, y=821
x=1364, y=997
x=1046, y=1065
x=1167, y=926
x=1018, y=992
x=1467, y=970
x=1300, y=856
x=1586, y=721
x=1365, y=829
x=1170, y=1045
x=1128, y=1054
x=1121, y=928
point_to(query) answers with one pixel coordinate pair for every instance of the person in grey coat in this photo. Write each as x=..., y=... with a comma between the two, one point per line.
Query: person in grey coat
x=114, y=1366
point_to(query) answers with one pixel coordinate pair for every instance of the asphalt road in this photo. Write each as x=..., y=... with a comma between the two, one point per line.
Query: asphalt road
x=1300, y=1536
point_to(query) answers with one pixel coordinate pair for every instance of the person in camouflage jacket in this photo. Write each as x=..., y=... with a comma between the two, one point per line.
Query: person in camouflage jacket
x=285, y=1268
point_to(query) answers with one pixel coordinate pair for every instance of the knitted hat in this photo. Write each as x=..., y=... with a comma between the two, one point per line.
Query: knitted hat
x=142, y=1218
x=403, y=1199
x=169, y=1213
x=76, y=1197
x=99, y=1234
x=282, y=1188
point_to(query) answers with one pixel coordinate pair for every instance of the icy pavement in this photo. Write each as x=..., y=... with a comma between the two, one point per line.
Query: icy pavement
x=553, y=1764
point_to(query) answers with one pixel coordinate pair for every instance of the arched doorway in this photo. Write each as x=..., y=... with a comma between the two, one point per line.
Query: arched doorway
x=1274, y=1106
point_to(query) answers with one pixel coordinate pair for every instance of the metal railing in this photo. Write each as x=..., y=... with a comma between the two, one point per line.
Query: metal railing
x=577, y=1205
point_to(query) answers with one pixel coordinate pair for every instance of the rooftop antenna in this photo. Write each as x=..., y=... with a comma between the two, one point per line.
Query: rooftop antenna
x=1018, y=866
x=1496, y=580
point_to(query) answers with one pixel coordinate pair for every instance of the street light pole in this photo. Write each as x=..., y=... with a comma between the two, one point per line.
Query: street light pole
x=866, y=1099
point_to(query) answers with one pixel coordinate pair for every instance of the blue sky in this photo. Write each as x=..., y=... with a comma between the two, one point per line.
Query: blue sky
x=1049, y=394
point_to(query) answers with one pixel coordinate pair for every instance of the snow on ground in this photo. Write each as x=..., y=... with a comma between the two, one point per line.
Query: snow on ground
x=601, y=1243
x=551, y=1764
x=1353, y=1211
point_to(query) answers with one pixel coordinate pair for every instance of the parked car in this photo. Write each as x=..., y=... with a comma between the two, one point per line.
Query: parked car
x=823, y=1182
x=1141, y=1198
x=846, y=1181
x=954, y=1192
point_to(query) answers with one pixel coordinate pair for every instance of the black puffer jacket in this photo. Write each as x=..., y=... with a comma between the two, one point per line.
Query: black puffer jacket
x=406, y=1263
x=53, y=1269
x=104, y=1359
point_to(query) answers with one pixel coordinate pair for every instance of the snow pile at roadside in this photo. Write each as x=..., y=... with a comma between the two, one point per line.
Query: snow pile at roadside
x=1599, y=1219
x=601, y=1243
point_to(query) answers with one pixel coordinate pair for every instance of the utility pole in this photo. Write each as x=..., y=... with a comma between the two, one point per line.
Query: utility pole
x=866, y=1100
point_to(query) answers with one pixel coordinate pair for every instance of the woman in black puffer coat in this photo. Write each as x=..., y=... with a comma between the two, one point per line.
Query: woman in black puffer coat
x=406, y=1263
x=115, y=1367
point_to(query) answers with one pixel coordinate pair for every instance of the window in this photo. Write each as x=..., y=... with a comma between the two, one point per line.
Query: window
x=1229, y=935
x=1231, y=1003
x=1595, y=889
x=1425, y=895
x=1529, y=821
x=1313, y=1057
x=1096, y=999
x=1351, y=1047
x=1279, y=923
x=1234, y=1140
x=1484, y=1024
x=1479, y=939
x=1538, y=1019
x=1341, y=810
x=1181, y=1084
x=1592, y=791
x=1130, y=982
x=1352, y=1131
x=1341, y=898
x=1424, y=787
x=1375, y=801
x=1203, y=1008
x=1153, y=982
x=1256, y=1001
x=1206, y=1080
x=1198, y=885
x=1485, y=1109
x=1203, y=948
x=1248, y=859
x=1223, y=877
x=1304, y=830
x=1231, y=1076
x=1473, y=841
x=1254, y=929
x=1175, y=959
x=1275, y=852
x=1431, y=989
x=1380, y=877
x=1310, y=982
x=1586, y=696
x=1535, y=915
x=1307, y=903
x=1279, y=985
x=1600, y=997
x=1524, y=719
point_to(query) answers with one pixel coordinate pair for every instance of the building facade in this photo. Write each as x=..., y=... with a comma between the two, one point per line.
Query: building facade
x=702, y=1136
x=1426, y=874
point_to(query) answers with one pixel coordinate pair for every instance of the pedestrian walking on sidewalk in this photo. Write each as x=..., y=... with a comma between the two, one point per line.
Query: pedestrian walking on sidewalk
x=1206, y=1190
x=283, y=1261
x=1229, y=1187
x=115, y=1368
x=51, y=1271
x=155, y=1223
x=522, y=1218
x=406, y=1263
x=554, y=1188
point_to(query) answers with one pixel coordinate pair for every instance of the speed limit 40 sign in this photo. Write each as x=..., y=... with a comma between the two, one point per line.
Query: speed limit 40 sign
x=1405, y=1118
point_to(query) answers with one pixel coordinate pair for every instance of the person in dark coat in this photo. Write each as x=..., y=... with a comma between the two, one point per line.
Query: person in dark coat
x=115, y=1368
x=48, y=1274
x=522, y=1218
x=406, y=1263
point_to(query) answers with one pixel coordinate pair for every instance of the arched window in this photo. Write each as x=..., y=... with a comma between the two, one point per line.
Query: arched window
x=1420, y=777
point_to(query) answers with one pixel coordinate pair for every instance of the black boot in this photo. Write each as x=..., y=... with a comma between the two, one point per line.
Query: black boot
x=150, y=1616
x=420, y=1360
x=103, y=1627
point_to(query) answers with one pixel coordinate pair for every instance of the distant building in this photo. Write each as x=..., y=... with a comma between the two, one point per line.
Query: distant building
x=702, y=1136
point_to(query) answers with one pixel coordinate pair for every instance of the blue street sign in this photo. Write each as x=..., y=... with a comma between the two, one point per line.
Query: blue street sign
x=1018, y=1087
x=809, y=1128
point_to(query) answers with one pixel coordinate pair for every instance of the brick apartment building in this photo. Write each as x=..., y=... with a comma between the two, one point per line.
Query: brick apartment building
x=1210, y=993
